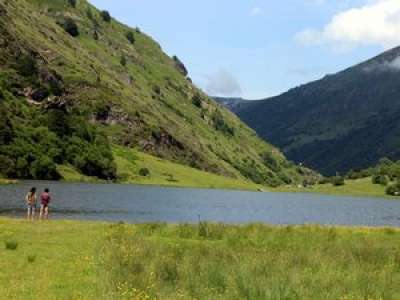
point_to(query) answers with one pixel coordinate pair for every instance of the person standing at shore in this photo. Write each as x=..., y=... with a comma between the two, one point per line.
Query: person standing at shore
x=45, y=199
x=31, y=200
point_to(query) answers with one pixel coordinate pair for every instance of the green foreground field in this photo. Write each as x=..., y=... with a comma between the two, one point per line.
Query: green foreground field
x=83, y=260
x=359, y=187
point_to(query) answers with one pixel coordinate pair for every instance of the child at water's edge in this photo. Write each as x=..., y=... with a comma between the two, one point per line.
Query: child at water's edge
x=45, y=201
x=31, y=200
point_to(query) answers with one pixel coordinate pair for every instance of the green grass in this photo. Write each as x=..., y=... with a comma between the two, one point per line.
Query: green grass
x=82, y=260
x=359, y=187
x=7, y=181
x=166, y=173
x=162, y=173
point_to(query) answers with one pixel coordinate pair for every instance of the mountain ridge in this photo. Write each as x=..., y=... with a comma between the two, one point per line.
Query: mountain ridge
x=75, y=81
x=347, y=120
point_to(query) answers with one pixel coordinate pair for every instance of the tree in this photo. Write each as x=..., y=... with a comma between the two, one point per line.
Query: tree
x=130, y=36
x=196, y=100
x=338, y=181
x=44, y=168
x=380, y=179
x=105, y=15
x=393, y=189
x=72, y=3
x=70, y=26
x=144, y=172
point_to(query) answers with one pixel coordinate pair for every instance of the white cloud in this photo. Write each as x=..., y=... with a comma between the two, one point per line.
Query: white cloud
x=256, y=11
x=223, y=83
x=375, y=23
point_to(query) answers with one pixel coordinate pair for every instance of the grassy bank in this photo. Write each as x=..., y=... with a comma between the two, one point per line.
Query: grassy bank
x=359, y=187
x=79, y=260
x=161, y=172
x=7, y=181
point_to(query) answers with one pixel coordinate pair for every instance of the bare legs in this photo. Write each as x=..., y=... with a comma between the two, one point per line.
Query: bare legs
x=44, y=212
x=31, y=213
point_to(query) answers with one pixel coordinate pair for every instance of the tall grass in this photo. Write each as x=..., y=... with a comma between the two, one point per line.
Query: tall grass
x=213, y=261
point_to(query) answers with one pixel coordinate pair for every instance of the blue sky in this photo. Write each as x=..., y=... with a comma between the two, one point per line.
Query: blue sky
x=260, y=48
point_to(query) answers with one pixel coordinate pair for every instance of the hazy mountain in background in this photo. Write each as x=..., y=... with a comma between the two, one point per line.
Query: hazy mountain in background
x=344, y=121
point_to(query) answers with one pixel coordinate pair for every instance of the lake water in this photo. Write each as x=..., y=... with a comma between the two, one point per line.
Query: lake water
x=137, y=204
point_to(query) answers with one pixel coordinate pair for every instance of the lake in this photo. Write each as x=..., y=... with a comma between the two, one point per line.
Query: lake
x=138, y=204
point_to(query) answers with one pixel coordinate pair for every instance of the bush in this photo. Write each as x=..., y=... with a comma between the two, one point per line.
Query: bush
x=26, y=65
x=180, y=66
x=393, y=189
x=123, y=61
x=31, y=258
x=44, y=168
x=130, y=36
x=89, y=14
x=196, y=100
x=144, y=172
x=221, y=125
x=72, y=3
x=11, y=245
x=270, y=161
x=380, y=179
x=6, y=166
x=338, y=181
x=157, y=89
x=70, y=27
x=105, y=15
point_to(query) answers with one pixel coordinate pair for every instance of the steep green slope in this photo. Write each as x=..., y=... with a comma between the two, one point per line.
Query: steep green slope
x=74, y=80
x=347, y=120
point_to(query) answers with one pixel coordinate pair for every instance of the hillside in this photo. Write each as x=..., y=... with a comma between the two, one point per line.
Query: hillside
x=344, y=121
x=74, y=82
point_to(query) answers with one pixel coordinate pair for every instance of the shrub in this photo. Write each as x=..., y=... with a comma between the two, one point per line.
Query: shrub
x=11, y=245
x=380, y=179
x=338, y=181
x=26, y=65
x=70, y=27
x=31, y=258
x=180, y=66
x=393, y=189
x=89, y=14
x=270, y=161
x=44, y=168
x=130, y=36
x=144, y=172
x=221, y=125
x=6, y=166
x=123, y=61
x=196, y=100
x=72, y=3
x=157, y=89
x=105, y=15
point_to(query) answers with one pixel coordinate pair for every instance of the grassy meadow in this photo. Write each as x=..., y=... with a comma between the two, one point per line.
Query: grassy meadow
x=162, y=172
x=83, y=260
x=359, y=187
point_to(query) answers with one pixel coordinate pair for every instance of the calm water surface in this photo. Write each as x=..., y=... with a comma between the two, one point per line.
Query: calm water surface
x=138, y=204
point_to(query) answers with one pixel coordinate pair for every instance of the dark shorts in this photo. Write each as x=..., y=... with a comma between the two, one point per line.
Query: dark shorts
x=45, y=205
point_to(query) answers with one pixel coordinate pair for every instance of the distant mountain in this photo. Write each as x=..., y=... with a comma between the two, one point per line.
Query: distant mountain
x=344, y=121
x=75, y=82
x=231, y=103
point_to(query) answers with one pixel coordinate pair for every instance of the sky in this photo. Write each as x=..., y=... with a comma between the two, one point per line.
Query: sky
x=260, y=48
